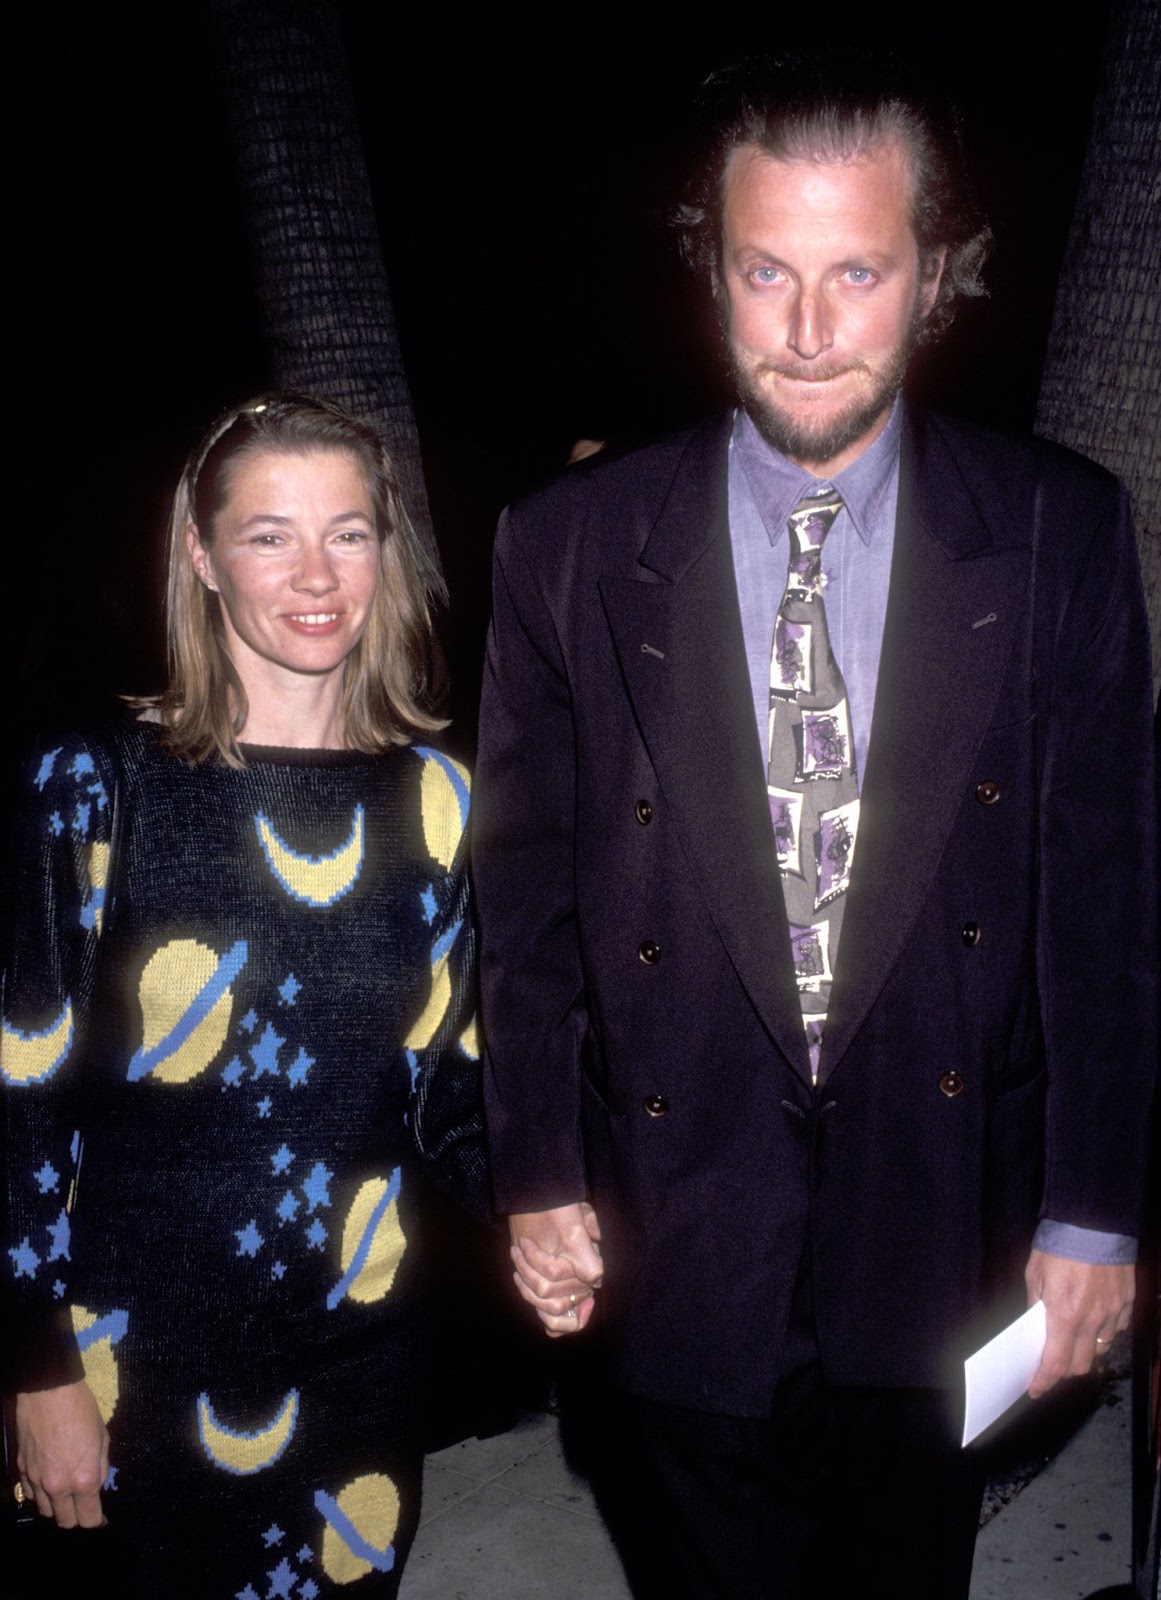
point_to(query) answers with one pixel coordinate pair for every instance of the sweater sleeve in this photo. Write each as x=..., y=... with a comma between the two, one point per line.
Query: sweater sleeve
x=443, y=1046
x=53, y=910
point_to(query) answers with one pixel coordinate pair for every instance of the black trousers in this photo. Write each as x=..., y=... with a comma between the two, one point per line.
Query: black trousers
x=840, y=1492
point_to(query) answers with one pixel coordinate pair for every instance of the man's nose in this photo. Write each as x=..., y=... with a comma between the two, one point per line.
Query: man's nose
x=811, y=330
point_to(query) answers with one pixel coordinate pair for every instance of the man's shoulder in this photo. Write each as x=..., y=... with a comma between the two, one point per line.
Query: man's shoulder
x=1005, y=462
x=631, y=483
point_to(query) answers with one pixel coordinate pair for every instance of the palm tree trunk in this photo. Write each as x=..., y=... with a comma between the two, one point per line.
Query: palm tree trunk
x=322, y=285
x=1101, y=387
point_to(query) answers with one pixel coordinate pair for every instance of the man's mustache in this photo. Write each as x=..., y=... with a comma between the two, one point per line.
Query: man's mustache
x=808, y=372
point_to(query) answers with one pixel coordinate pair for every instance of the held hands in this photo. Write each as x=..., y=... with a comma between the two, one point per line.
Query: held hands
x=1086, y=1306
x=62, y=1454
x=557, y=1256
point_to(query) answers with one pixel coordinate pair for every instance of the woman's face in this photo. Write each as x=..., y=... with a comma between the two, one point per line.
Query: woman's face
x=294, y=556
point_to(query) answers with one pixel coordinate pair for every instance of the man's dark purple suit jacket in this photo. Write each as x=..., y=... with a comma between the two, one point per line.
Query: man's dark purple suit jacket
x=1008, y=789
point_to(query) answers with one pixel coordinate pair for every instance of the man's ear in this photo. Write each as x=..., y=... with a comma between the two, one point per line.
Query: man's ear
x=200, y=557
x=930, y=277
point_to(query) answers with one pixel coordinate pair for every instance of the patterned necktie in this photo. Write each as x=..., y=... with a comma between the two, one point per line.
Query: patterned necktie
x=814, y=795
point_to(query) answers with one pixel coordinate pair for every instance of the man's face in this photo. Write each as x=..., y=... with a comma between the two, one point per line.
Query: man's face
x=821, y=296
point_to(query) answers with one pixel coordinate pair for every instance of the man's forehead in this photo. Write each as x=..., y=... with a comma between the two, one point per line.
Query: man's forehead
x=748, y=163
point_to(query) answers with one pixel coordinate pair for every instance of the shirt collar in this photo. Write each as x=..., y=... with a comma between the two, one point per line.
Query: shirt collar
x=778, y=484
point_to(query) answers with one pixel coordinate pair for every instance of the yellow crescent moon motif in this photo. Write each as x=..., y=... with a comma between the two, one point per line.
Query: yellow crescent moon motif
x=360, y=1523
x=318, y=880
x=373, y=1243
x=244, y=1453
x=32, y=1057
x=186, y=1003
x=96, y=1337
x=470, y=1040
x=445, y=789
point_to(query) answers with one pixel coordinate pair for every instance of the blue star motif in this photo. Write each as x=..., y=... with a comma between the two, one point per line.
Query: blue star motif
x=427, y=900
x=248, y=1593
x=250, y=1241
x=58, y=1236
x=281, y=1581
x=232, y=1074
x=58, y=1289
x=264, y=1054
x=81, y=818
x=249, y=1022
x=82, y=765
x=281, y=1160
x=48, y=1177
x=56, y=823
x=316, y=1234
x=75, y=1147
x=288, y=1207
x=24, y=1259
x=304, y=1553
x=412, y=1065
x=273, y=1535
x=298, y=1069
x=110, y=1479
x=278, y=1271
x=264, y=1106
x=47, y=762
x=314, y=1186
x=289, y=990
x=308, y=1590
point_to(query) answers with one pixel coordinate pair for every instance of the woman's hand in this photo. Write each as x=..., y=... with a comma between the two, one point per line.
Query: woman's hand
x=557, y=1259
x=62, y=1453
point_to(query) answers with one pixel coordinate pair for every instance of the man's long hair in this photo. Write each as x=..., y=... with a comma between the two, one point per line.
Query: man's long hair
x=826, y=108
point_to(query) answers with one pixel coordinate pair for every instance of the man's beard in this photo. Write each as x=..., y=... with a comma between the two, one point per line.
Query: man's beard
x=800, y=438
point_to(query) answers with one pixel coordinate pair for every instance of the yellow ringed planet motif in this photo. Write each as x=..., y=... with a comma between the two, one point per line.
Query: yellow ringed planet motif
x=373, y=1243
x=27, y=1058
x=244, y=1453
x=360, y=1523
x=96, y=1337
x=317, y=880
x=186, y=1003
x=470, y=1040
x=445, y=793
x=93, y=910
x=423, y=1029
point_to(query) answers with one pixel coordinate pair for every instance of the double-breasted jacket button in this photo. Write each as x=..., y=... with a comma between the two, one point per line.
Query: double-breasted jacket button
x=970, y=934
x=656, y=1105
x=951, y=1084
x=988, y=792
x=643, y=811
x=649, y=951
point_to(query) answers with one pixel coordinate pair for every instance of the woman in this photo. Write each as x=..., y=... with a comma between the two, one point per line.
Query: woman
x=237, y=996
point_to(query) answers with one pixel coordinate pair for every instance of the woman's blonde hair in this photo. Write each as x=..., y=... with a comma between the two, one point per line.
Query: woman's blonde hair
x=392, y=679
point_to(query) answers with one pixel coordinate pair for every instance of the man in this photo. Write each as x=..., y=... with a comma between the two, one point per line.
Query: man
x=826, y=666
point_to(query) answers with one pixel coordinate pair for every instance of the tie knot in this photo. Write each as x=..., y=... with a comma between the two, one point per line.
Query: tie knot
x=813, y=517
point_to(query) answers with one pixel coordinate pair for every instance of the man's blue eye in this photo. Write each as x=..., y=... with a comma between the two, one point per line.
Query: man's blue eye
x=859, y=274
x=765, y=274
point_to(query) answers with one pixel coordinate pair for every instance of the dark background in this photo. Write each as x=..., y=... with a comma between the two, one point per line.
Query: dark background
x=521, y=177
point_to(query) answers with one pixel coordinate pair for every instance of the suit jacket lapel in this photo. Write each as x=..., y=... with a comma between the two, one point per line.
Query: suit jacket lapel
x=956, y=596
x=678, y=635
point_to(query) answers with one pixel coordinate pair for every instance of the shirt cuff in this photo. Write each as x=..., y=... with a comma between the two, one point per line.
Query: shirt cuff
x=1085, y=1244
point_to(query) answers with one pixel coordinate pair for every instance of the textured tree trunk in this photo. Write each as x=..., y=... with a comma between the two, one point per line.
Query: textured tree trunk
x=322, y=285
x=1101, y=387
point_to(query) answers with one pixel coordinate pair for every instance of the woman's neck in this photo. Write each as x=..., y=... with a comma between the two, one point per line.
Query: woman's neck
x=304, y=713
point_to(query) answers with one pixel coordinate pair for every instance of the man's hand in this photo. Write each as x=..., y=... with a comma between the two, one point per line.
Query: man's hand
x=62, y=1453
x=1086, y=1306
x=557, y=1256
